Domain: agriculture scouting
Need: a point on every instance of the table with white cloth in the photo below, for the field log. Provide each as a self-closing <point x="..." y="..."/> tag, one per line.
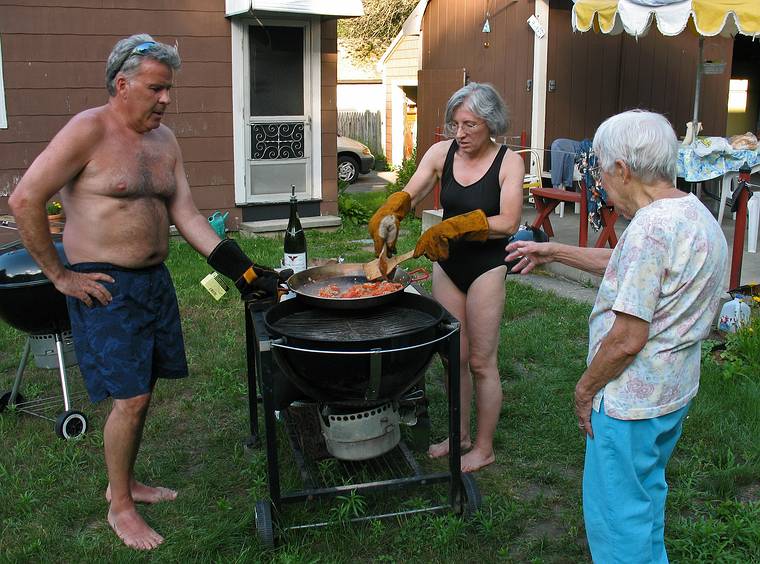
<point x="695" y="168"/>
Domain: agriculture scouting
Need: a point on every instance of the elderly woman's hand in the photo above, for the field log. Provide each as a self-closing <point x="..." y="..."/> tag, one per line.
<point x="583" y="404"/>
<point x="528" y="254"/>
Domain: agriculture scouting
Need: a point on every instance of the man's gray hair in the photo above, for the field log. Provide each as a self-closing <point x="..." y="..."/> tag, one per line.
<point x="482" y="100"/>
<point x="645" y="141"/>
<point x="122" y="59"/>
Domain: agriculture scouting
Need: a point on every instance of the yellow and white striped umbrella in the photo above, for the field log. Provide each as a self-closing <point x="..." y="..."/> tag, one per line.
<point x="635" y="17"/>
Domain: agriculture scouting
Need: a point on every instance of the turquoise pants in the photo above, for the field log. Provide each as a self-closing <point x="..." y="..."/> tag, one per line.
<point x="624" y="486"/>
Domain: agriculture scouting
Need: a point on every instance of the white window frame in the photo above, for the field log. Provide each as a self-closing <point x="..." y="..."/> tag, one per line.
<point x="241" y="106"/>
<point x="3" y="115"/>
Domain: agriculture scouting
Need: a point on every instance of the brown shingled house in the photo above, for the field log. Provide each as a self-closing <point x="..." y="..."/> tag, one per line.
<point x="253" y="105"/>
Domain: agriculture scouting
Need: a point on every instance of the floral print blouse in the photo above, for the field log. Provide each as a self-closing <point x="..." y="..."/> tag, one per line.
<point x="668" y="269"/>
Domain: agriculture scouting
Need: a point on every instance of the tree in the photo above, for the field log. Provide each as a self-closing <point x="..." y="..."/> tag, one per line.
<point x="366" y="38"/>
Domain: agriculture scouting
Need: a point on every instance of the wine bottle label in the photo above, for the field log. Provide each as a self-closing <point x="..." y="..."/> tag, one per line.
<point x="296" y="261"/>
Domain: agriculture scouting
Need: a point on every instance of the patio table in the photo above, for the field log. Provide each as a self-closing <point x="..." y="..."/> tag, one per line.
<point x="695" y="168"/>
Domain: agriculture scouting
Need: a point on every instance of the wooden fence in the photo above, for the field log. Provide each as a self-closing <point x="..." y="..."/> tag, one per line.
<point x="365" y="127"/>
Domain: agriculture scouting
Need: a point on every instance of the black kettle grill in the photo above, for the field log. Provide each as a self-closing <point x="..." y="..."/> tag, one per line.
<point x="30" y="303"/>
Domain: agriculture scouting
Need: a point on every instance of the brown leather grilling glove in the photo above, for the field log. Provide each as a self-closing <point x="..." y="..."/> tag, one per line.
<point x="434" y="243"/>
<point x="384" y="225"/>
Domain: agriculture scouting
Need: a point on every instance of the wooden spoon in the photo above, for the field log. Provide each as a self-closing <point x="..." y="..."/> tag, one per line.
<point x="375" y="269"/>
<point x="382" y="266"/>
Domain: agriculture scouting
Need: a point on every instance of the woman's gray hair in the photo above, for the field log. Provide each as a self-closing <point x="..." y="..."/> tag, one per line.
<point x="482" y="100"/>
<point x="122" y="59"/>
<point x="645" y="141"/>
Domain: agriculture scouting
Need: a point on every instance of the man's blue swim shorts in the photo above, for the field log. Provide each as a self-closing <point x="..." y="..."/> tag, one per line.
<point x="123" y="347"/>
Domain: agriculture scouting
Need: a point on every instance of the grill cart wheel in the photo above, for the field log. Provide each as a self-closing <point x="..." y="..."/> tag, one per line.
<point x="264" y="525"/>
<point x="71" y="424"/>
<point x="472" y="501"/>
<point x="4" y="401"/>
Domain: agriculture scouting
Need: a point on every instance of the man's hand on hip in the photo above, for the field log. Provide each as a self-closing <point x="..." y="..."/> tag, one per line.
<point x="85" y="286"/>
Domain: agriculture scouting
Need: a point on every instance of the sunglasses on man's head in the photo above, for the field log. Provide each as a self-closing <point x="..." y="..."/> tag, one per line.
<point x="140" y="49"/>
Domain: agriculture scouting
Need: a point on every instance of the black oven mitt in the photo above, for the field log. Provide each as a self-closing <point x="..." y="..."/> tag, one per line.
<point x="251" y="280"/>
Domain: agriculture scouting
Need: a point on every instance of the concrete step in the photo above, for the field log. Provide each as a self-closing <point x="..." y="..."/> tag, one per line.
<point x="275" y="227"/>
<point x="430" y="218"/>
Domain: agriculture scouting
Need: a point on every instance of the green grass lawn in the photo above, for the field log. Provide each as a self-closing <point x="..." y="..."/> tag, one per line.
<point x="51" y="492"/>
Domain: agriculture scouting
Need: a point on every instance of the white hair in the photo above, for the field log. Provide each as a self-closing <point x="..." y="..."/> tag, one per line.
<point x="645" y="141"/>
<point x="482" y="100"/>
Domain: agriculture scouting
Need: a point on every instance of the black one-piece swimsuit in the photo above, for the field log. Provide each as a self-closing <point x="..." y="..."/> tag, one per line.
<point x="469" y="259"/>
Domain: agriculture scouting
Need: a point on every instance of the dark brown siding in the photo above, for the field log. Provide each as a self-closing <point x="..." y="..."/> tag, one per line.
<point x="585" y="70"/>
<point x="54" y="61"/>
<point x="452" y="38"/>
<point x="435" y="87"/>
<point x="659" y="73"/>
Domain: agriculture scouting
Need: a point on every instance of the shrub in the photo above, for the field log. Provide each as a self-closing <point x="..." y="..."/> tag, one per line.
<point x="742" y="354"/>
<point x="381" y="163"/>
<point x="350" y="210"/>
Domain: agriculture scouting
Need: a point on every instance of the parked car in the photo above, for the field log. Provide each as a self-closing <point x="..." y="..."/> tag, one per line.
<point x="354" y="158"/>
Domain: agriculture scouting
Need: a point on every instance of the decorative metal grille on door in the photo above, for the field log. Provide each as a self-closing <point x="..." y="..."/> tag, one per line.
<point x="277" y="141"/>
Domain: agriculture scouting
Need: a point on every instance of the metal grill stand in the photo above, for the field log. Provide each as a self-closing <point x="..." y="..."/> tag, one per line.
<point x="463" y="495"/>
<point x="69" y="424"/>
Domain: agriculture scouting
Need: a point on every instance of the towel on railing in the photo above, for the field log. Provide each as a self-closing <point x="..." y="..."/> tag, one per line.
<point x="563" y="158"/>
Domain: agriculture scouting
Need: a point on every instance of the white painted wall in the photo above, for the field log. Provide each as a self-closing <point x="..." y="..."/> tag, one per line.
<point x="361" y="97"/>
<point x="540" y="61"/>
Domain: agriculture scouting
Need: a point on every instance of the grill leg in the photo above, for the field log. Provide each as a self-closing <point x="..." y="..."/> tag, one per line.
<point x="264" y="362"/>
<point x="455" y="449"/>
<point x="62" y="371"/>
<point x="250" y="356"/>
<point x="20" y="372"/>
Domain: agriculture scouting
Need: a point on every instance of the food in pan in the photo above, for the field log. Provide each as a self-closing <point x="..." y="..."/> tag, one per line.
<point x="365" y="290"/>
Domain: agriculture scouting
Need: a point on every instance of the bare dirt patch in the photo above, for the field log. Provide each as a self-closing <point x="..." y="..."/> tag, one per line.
<point x="749" y="493"/>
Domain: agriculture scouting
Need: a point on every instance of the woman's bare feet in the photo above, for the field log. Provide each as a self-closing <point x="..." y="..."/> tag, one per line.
<point x="477" y="459"/>
<point x="146" y="494"/>
<point x="442" y="449"/>
<point x="133" y="530"/>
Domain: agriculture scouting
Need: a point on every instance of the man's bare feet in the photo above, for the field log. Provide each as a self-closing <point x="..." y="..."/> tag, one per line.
<point x="477" y="459"/>
<point x="133" y="530"/>
<point x="146" y="494"/>
<point x="442" y="449"/>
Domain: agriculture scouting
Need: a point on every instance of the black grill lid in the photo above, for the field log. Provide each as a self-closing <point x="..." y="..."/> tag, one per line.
<point x="18" y="268"/>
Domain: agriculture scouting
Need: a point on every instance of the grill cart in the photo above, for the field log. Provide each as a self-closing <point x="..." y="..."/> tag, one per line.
<point x="30" y="303"/>
<point x="362" y="373"/>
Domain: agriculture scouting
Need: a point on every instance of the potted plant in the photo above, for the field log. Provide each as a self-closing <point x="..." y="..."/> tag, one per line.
<point x="55" y="216"/>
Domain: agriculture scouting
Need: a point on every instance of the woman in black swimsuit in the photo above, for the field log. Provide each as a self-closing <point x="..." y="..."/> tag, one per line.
<point x="481" y="195"/>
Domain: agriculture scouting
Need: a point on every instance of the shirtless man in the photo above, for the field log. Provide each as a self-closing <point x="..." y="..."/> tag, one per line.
<point x="122" y="183"/>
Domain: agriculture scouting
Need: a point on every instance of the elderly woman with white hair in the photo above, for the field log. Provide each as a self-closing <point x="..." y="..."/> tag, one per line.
<point x="481" y="196"/>
<point x="659" y="295"/>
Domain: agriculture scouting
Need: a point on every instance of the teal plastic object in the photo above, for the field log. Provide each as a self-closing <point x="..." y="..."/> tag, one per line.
<point x="216" y="220"/>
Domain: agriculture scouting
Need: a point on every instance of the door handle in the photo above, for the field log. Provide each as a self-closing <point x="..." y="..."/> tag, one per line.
<point x="552" y="86"/>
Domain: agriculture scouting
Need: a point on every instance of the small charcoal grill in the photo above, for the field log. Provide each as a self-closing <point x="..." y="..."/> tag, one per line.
<point x="366" y="365"/>
<point x="30" y="303"/>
